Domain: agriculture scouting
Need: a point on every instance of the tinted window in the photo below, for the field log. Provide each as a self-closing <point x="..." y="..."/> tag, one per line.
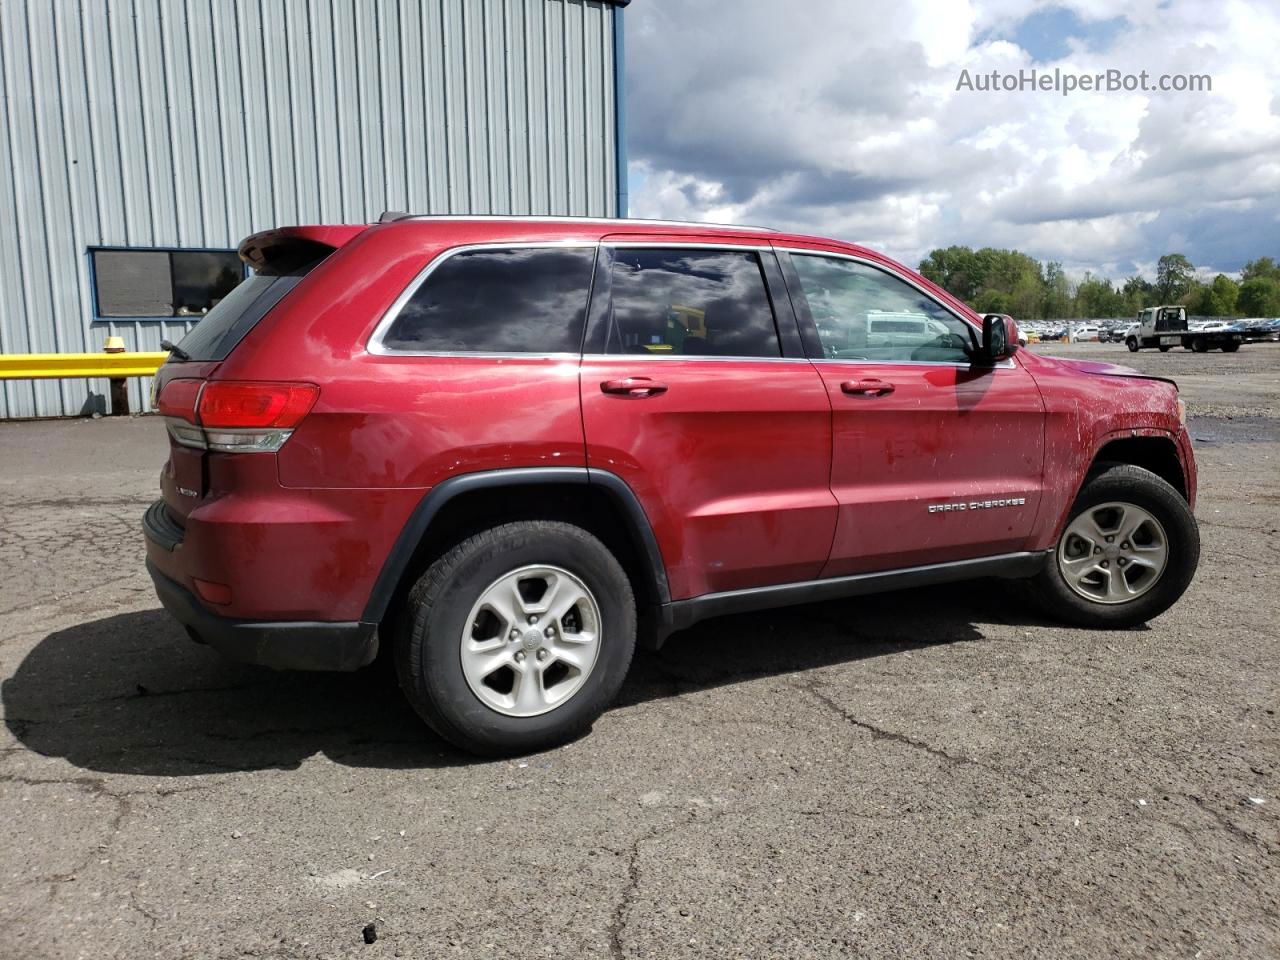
<point x="863" y="313"/>
<point x="214" y="337"/>
<point x="163" y="283"/>
<point x="690" y="303"/>
<point x="499" y="301"/>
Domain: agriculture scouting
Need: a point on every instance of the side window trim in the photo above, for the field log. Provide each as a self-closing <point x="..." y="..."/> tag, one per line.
<point x="600" y="309"/>
<point x="809" y="330"/>
<point x="785" y="317"/>
<point x="375" y="345"/>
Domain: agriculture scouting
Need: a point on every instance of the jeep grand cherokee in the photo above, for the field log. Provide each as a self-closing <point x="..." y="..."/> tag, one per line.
<point x="510" y="448"/>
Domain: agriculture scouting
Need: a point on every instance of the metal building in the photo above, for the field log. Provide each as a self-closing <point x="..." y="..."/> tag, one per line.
<point x="143" y="139"/>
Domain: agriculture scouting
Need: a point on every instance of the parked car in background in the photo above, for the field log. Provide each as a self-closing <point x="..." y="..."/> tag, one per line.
<point x="507" y="450"/>
<point x="1258" y="329"/>
<point x="1083" y="333"/>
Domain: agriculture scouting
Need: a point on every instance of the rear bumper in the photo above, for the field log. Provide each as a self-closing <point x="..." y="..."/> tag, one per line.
<point x="284" y="645"/>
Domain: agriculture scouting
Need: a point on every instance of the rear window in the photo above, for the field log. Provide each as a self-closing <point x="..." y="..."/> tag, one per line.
<point x="214" y="337"/>
<point x="512" y="300"/>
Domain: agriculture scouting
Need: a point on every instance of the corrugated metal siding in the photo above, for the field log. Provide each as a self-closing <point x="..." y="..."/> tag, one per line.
<point x="193" y="123"/>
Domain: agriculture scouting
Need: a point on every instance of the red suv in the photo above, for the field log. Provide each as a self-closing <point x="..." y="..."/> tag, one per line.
<point x="509" y="448"/>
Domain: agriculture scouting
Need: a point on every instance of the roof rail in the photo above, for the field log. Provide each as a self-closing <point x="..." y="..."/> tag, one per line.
<point x="395" y="216"/>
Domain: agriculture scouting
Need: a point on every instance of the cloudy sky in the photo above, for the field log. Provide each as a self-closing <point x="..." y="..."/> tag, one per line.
<point x="842" y="118"/>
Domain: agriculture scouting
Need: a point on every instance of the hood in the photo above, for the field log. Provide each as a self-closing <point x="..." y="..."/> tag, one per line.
<point x="1100" y="369"/>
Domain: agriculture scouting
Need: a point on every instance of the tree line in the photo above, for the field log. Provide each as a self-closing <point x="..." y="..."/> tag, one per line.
<point x="1007" y="281"/>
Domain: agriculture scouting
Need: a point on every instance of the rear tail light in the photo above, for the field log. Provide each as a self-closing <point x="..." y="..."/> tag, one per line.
<point x="178" y="399"/>
<point x="235" y="416"/>
<point x="257" y="405"/>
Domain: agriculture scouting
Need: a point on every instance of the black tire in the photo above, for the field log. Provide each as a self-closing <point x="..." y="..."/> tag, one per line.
<point x="1231" y="347"/>
<point x="1127" y="484"/>
<point x="1199" y="345"/>
<point x="1164" y="348"/>
<point x="429" y="635"/>
<point x="1132" y="344"/>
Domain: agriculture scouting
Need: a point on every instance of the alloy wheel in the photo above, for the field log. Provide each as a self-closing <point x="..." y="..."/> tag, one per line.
<point x="531" y="640"/>
<point x="1113" y="552"/>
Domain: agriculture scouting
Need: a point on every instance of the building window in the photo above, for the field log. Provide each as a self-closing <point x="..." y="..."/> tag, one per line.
<point x="162" y="283"/>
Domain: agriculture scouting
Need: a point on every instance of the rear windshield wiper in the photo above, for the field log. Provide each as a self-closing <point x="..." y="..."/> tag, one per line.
<point x="175" y="351"/>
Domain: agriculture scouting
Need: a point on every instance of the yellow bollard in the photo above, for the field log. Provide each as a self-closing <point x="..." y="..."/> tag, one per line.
<point x="119" y="386"/>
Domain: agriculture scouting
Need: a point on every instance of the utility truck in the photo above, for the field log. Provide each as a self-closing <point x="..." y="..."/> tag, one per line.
<point x="1166" y="327"/>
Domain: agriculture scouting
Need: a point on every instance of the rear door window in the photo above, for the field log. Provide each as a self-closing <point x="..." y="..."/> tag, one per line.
<point x="501" y="300"/>
<point x="683" y="302"/>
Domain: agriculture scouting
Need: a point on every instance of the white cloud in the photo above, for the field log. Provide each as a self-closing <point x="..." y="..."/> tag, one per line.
<point x="844" y="120"/>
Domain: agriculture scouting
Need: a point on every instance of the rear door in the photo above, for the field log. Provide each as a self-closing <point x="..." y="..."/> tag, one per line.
<point x="695" y="392"/>
<point x="934" y="459"/>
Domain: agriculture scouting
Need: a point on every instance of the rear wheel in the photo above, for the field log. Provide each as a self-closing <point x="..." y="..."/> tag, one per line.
<point x="1129" y="551"/>
<point x="1164" y="348"/>
<point x="518" y="638"/>
<point x="1230" y="347"/>
<point x="1199" y="345"/>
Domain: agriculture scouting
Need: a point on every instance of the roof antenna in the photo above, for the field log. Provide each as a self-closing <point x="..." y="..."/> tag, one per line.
<point x="391" y="216"/>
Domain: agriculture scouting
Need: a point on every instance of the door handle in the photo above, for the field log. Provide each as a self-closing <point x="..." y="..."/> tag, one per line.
<point x="638" y="387"/>
<point x="869" y="387"/>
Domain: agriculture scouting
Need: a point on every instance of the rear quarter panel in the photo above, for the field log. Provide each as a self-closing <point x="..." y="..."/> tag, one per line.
<point x="403" y="421"/>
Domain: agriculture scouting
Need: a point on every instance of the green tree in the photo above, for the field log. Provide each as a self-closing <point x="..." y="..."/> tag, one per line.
<point x="989" y="280"/>
<point x="1058" y="301"/>
<point x="1138" y="293"/>
<point x="1259" y="297"/>
<point x="1174" y="276"/>
<point x="955" y="269"/>
<point x="1097" y="298"/>
<point x="1262" y="267"/>
<point x="1217" y="299"/>
<point x="991" y="300"/>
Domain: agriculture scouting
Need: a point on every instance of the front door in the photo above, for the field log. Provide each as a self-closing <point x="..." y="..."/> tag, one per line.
<point x="689" y="396"/>
<point x="934" y="459"/>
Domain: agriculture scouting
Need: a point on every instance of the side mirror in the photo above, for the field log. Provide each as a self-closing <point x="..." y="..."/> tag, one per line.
<point x="999" y="337"/>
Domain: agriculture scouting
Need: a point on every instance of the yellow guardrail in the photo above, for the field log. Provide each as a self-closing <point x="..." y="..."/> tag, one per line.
<point x="51" y="366"/>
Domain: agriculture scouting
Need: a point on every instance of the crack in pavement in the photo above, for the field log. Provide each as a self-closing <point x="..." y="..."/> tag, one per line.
<point x="1233" y="828"/>
<point x="50" y="598"/>
<point x="811" y="687"/>
<point x="137" y="695"/>
<point x="97" y="787"/>
<point x="618" y="921"/>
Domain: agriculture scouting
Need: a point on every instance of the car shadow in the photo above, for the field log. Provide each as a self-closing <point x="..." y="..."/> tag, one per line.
<point x="130" y="694"/>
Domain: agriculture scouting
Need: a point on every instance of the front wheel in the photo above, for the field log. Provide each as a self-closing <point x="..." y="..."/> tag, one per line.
<point x="517" y="638"/>
<point x="1132" y="343"/>
<point x="1129" y="551"/>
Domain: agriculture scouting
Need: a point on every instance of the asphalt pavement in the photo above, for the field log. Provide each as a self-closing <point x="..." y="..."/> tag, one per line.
<point x="931" y="773"/>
